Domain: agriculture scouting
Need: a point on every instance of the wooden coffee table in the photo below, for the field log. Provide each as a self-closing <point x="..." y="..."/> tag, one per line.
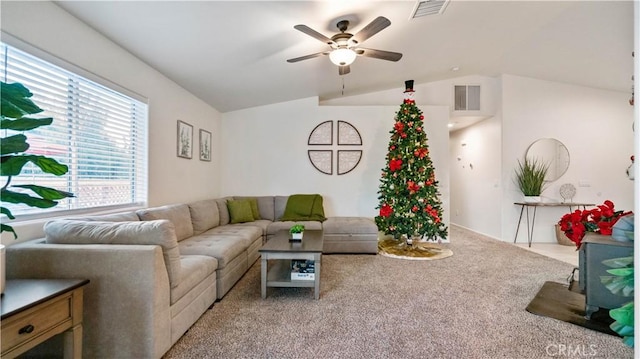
<point x="277" y="254"/>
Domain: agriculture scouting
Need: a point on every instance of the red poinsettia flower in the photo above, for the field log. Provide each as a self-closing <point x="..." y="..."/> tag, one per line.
<point x="421" y="152"/>
<point x="599" y="220"/>
<point x="412" y="187"/>
<point x="386" y="210"/>
<point x="399" y="126"/>
<point x="395" y="164"/>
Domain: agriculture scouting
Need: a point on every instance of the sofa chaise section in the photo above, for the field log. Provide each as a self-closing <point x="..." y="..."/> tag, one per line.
<point x="142" y="296"/>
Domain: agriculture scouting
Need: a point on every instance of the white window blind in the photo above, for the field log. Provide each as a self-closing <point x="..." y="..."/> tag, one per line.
<point x="98" y="132"/>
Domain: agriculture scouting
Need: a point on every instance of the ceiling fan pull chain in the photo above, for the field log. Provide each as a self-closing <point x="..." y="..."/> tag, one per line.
<point x="342" y="78"/>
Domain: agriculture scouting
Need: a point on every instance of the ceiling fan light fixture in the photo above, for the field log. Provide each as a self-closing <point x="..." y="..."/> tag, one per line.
<point x="342" y="57"/>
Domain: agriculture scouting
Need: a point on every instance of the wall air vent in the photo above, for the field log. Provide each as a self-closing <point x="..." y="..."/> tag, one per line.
<point x="466" y="98"/>
<point x="429" y="7"/>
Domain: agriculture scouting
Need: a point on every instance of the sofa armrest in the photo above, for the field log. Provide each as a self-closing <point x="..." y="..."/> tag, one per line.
<point x="126" y="303"/>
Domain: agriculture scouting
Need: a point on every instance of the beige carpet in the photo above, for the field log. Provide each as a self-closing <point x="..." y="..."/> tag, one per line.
<point x="470" y="305"/>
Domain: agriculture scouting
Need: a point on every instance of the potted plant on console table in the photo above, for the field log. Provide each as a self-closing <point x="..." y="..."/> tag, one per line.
<point x="297" y="230"/>
<point x="530" y="177"/>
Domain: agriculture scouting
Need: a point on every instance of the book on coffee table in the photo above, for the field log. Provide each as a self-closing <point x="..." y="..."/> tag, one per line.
<point x="302" y="269"/>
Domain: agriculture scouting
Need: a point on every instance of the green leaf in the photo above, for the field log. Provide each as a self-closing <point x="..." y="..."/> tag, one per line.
<point x="25" y="123"/>
<point x="619" y="284"/>
<point x="15" y="197"/>
<point x="621" y="272"/>
<point x="15" y="101"/>
<point x="14" y="144"/>
<point x="46" y="192"/>
<point x="618" y="262"/>
<point x="7" y="228"/>
<point x="12" y="166"/>
<point x="7" y="212"/>
<point x="624" y="314"/>
<point x="49" y="165"/>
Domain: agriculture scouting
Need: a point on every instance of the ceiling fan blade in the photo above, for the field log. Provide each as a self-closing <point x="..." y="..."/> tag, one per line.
<point x="373" y="28"/>
<point x="379" y="54"/>
<point x="343" y="70"/>
<point x="306" y="57"/>
<point x="313" y="33"/>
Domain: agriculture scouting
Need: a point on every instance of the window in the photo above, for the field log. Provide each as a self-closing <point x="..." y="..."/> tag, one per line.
<point x="101" y="134"/>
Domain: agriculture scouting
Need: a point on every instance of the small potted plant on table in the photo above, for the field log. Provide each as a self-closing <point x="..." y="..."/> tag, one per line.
<point x="297" y="230"/>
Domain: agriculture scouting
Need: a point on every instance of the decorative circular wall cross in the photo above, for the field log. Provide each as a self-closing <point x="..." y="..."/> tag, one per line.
<point x="322" y="136"/>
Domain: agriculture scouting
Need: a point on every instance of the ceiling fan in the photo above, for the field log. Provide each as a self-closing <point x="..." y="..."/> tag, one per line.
<point x="345" y="46"/>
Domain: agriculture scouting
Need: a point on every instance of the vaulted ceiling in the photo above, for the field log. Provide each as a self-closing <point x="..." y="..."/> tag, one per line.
<point x="232" y="54"/>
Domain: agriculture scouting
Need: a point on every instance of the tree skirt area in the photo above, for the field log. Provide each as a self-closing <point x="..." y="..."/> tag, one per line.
<point x="416" y="251"/>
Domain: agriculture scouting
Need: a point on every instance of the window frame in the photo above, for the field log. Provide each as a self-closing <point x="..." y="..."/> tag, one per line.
<point x="144" y="124"/>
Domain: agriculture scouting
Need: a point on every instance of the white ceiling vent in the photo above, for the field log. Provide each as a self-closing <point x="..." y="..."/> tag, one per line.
<point x="429" y="7"/>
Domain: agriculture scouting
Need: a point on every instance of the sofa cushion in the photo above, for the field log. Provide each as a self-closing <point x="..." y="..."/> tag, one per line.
<point x="113" y="217"/>
<point x="254" y="208"/>
<point x="285" y="225"/>
<point x="223" y="210"/>
<point x="178" y="214"/>
<point x="304" y="207"/>
<point x="349" y="225"/>
<point x="224" y="248"/>
<point x="195" y="269"/>
<point x="279" y="204"/>
<point x="265" y="207"/>
<point x="204" y="215"/>
<point x="239" y="211"/>
<point x="158" y="232"/>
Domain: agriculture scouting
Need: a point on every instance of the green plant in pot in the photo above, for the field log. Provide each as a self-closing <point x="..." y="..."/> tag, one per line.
<point x="530" y="177"/>
<point x="296" y="231"/>
<point x="16" y="112"/>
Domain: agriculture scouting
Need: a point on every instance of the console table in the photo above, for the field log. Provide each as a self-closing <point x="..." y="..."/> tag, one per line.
<point x="535" y="205"/>
<point x="34" y="310"/>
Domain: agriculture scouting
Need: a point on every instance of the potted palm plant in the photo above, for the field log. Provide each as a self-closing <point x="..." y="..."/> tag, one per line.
<point x="530" y="177"/>
<point x="16" y="117"/>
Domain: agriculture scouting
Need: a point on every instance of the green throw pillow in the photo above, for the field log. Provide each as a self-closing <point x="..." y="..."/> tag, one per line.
<point x="240" y="211"/>
<point x="254" y="208"/>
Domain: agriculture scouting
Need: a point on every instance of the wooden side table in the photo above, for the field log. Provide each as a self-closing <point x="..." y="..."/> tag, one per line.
<point x="34" y="310"/>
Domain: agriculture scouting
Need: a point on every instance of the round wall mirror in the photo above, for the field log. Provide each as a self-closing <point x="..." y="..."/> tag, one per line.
<point x="553" y="152"/>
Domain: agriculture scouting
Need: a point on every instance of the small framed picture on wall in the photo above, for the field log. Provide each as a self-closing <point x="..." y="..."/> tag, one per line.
<point x="185" y="140"/>
<point x="205" y="145"/>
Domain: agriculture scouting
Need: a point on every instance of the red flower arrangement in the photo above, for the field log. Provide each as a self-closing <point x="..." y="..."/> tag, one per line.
<point x="598" y="220"/>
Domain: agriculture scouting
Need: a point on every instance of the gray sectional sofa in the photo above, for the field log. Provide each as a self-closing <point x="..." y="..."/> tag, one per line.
<point x="155" y="271"/>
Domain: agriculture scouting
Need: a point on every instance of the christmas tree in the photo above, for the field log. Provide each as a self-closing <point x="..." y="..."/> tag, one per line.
<point x="408" y="194"/>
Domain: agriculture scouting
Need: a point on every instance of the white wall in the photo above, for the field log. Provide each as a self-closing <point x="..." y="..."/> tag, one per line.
<point x="171" y="179"/>
<point x="476" y="175"/>
<point x="595" y="126"/>
<point x="267" y="152"/>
